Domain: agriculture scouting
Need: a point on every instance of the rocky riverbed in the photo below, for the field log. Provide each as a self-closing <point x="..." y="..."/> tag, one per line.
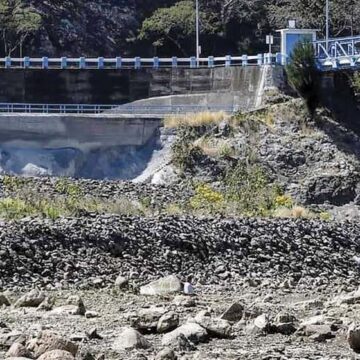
<point x="291" y="286"/>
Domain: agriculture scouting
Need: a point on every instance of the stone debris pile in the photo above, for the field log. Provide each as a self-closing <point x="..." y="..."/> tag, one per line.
<point x="93" y="250"/>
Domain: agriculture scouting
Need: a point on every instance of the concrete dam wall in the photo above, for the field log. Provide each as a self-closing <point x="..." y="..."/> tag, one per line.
<point x="112" y="145"/>
<point x="126" y="85"/>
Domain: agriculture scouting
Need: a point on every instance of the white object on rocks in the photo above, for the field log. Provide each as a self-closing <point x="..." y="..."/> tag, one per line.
<point x="188" y="289"/>
<point x="165" y="286"/>
<point x="130" y="339"/>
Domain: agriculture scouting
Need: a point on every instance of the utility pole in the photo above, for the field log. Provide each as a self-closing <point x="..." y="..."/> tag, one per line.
<point x="197" y="34"/>
<point x="327" y="24"/>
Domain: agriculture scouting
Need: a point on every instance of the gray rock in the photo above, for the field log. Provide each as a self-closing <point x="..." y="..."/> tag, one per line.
<point x="192" y="331"/>
<point x="146" y="320"/>
<point x="234" y="313"/>
<point x="48" y="341"/>
<point x="18" y="350"/>
<point x="121" y="282"/>
<point x="165" y="286"/>
<point x="168" y="322"/>
<point x="130" y="339"/>
<point x="166" y="354"/>
<point x="56" y="355"/>
<point x="214" y="326"/>
<point x="353" y="337"/>
<point x="4" y="300"/>
<point x="32" y="299"/>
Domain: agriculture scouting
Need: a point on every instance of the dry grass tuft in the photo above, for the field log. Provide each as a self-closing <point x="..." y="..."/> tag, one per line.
<point x="297" y="212"/>
<point x="195" y="119"/>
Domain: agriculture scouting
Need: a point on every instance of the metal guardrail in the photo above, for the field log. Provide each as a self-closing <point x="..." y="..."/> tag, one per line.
<point x="137" y="62"/>
<point x="338" y="53"/>
<point x="20" y="108"/>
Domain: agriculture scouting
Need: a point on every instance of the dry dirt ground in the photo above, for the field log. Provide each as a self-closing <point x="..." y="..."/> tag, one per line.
<point x="114" y="308"/>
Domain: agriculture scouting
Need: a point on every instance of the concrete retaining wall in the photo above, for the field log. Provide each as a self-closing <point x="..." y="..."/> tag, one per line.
<point x="84" y="132"/>
<point x="126" y="85"/>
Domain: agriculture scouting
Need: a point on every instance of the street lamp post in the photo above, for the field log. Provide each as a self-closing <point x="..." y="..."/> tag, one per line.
<point x="197" y="34"/>
<point x="327" y="24"/>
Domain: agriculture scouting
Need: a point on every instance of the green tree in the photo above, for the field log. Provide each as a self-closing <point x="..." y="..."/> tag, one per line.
<point x="176" y="24"/>
<point x="17" y="22"/>
<point x="303" y="75"/>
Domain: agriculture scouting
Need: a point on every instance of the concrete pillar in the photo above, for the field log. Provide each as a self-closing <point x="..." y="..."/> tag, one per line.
<point x="118" y="62"/>
<point x="260" y="59"/>
<point x="156" y="63"/>
<point x="174" y="62"/>
<point x="137" y="62"/>
<point x="82" y="63"/>
<point x="193" y="62"/>
<point x="63" y="63"/>
<point x="334" y="64"/>
<point x="45" y="62"/>
<point x="100" y="63"/>
<point x="211" y="62"/>
<point x="227" y="60"/>
<point x="26" y="62"/>
<point x="244" y="60"/>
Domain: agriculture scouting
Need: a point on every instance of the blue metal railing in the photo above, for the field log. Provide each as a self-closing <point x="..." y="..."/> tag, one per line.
<point x="338" y="53"/>
<point x="137" y="62"/>
<point x="18" y="108"/>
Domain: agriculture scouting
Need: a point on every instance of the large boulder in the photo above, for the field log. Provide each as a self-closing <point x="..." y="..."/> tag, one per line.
<point x="18" y="350"/>
<point x="56" y="355"/>
<point x="146" y="320"/>
<point x="214" y="326"/>
<point x="234" y="313"/>
<point x="165" y="286"/>
<point x="192" y="331"/>
<point x="48" y="341"/>
<point x="130" y="339"/>
<point x="32" y="299"/>
<point x="168" y="322"/>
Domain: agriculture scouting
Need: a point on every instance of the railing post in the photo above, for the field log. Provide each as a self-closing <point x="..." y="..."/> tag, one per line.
<point x="45" y="62"/>
<point x="26" y="62"/>
<point x="334" y="64"/>
<point x="174" y="62"/>
<point x="211" y="62"/>
<point x="137" y="62"/>
<point x="82" y="63"/>
<point x="193" y="64"/>
<point x="244" y="60"/>
<point x="278" y="58"/>
<point x="260" y="59"/>
<point x="8" y="62"/>
<point x="156" y="62"/>
<point x="100" y="63"/>
<point x="118" y="62"/>
<point x="227" y="60"/>
<point x="63" y="63"/>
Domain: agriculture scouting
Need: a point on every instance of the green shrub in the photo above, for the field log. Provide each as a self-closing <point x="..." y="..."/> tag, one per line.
<point x="303" y="75"/>
<point x="207" y="199"/>
<point x="248" y="186"/>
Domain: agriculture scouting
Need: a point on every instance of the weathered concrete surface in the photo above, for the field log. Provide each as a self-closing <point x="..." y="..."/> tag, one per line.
<point x="128" y="85"/>
<point x="81" y="131"/>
